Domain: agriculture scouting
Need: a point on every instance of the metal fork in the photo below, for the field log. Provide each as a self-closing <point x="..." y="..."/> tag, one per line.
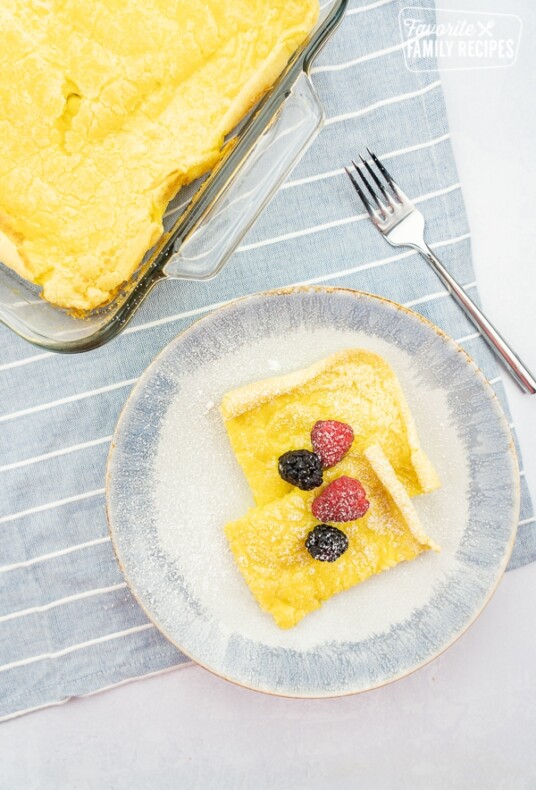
<point x="402" y="225"/>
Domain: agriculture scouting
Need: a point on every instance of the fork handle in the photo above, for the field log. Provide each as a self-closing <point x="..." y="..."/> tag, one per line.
<point x="496" y="342"/>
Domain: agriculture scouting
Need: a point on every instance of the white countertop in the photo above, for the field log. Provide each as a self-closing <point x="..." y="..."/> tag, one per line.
<point x="468" y="720"/>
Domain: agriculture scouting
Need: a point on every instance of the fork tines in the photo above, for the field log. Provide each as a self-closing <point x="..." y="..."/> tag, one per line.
<point x="374" y="186"/>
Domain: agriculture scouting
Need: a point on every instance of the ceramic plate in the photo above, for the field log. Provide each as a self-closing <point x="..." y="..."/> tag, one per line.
<point x="173" y="483"/>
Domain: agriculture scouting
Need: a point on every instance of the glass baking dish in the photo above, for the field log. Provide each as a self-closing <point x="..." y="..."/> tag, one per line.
<point x="206" y="220"/>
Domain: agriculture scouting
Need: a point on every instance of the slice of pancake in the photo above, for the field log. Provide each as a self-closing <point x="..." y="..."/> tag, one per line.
<point x="355" y="386"/>
<point x="268" y="543"/>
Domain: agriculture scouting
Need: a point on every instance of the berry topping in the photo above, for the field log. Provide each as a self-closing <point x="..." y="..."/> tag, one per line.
<point x="331" y="441"/>
<point x="326" y="543"/>
<point x="344" y="499"/>
<point x="302" y="468"/>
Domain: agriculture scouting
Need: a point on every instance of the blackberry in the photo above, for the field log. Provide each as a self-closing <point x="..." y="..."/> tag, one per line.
<point x="326" y="543"/>
<point x="302" y="468"/>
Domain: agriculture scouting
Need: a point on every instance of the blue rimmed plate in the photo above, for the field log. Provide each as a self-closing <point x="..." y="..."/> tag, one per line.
<point x="173" y="483"/>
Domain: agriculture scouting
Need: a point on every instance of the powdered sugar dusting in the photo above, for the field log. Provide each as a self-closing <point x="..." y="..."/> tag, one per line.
<point x="199" y="487"/>
<point x="209" y="405"/>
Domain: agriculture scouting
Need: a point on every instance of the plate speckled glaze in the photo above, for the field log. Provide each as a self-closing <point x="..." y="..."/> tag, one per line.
<point x="172" y="484"/>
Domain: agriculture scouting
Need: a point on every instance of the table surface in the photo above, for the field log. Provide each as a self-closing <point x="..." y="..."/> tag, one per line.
<point x="468" y="720"/>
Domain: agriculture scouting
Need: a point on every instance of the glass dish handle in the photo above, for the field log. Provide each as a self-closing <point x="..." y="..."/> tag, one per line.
<point x="219" y="231"/>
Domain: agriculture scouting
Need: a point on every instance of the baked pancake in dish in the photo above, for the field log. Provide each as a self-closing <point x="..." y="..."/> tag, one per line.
<point x="354" y="386"/>
<point x="106" y="110"/>
<point x="268" y="543"/>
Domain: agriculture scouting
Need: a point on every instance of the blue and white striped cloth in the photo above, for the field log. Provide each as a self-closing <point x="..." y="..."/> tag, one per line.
<point x="68" y="624"/>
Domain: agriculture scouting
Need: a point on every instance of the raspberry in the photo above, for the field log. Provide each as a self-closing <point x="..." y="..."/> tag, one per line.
<point x="344" y="499"/>
<point x="331" y="441"/>
<point x="302" y="468"/>
<point x="326" y="543"/>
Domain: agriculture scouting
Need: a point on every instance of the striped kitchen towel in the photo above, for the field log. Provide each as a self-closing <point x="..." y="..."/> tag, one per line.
<point x="68" y="624"/>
